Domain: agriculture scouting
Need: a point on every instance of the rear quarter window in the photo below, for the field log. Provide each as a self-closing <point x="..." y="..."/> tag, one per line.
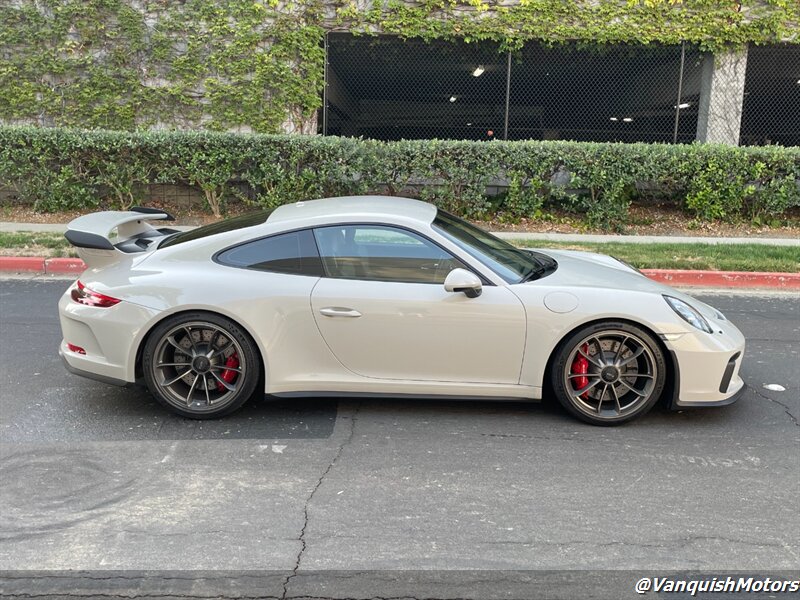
<point x="293" y="253"/>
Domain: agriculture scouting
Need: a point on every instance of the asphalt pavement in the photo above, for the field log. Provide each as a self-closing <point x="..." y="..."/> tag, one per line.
<point x="323" y="497"/>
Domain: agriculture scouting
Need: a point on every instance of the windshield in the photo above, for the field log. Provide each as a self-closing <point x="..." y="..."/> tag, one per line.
<point x="240" y="222"/>
<point x="511" y="263"/>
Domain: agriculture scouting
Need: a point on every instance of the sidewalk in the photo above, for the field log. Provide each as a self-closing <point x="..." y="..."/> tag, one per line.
<point x="9" y="227"/>
<point x="644" y="239"/>
<point x="549" y="237"/>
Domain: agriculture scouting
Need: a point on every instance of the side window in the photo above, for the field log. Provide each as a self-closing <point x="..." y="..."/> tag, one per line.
<point x="293" y="253"/>
<point x="380" y="253"/>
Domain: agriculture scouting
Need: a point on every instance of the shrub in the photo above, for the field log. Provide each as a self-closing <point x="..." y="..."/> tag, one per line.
<point x="57" y="169"/>
<point x="47" y="168"/>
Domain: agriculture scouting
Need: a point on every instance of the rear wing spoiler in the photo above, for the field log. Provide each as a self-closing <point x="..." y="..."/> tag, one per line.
<point x="102" y="237"/>
<point x="95" y="230"/>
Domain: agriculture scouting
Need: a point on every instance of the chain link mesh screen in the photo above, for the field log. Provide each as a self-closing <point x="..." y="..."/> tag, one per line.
<point x="771" y="113"/>
<point x="388" y="88"/>
<point x="601" y="93"/>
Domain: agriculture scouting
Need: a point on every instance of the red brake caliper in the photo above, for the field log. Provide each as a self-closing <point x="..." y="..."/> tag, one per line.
<point x="228" y="375"/>
<point x="580" y="366"/>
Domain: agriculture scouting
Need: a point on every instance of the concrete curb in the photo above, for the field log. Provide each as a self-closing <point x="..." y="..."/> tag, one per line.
<point x="725" y="279"/>
<point x="577" y="238"/>
<point x="711" y="279"/>
<point x="64" y="266"/>
<point x="41" y="266"/>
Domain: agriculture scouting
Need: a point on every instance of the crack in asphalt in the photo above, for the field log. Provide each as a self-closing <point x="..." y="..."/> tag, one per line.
<point x="302" y="538"/>
<point x="786" y="409"/>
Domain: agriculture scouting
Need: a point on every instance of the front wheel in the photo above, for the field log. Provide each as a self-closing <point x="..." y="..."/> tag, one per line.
<point x="609" y="373"/>
<point x="200" y="365"/>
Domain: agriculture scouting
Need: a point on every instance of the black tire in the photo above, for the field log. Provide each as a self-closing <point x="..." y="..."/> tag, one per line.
<point x="608" y="373"/>
<point x="200" y="365"/>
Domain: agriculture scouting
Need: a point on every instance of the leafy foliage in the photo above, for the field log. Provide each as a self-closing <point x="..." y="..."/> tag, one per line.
<point x="712" y="24"/>
<point x="124" y="64"/>
<point x="257" y="65"/>
<point x="57" y="169"/>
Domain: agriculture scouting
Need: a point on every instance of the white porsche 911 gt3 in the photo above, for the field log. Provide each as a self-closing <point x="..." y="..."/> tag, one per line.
<point x="380" y="296"/>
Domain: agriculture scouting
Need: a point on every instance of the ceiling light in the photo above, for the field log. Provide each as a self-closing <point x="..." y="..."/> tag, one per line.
<point x="627" y="119"/>
<point x="478" y="71"/>
<point x="469" y="124"/>
<point x="614" y="119"/>
<point x="453" y="98"/>
<point x="683" y="105"/>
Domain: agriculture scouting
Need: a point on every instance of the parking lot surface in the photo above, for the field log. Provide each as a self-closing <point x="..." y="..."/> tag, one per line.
<point x="101" y="479"/>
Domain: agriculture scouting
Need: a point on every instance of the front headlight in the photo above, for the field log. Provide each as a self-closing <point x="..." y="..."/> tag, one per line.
<point x="689" y="314"/>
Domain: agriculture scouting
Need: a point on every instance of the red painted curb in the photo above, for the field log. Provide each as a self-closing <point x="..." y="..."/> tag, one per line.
<point x="733" y="279"/>
<point x="22" y="264"/>
<point x="64" y="265"/>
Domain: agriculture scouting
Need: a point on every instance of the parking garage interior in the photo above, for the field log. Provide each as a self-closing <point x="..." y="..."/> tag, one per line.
<point x="388" y="88"/>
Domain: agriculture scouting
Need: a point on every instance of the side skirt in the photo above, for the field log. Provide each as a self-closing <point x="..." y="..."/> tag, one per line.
<point x="378" y="395"/>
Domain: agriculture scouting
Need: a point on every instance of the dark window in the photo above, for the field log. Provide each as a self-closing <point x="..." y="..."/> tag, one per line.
<point x="772" y="96"/>
<point x="293" y="253"/>
<point x="392" y="88"/>
<point x="248" y="220"/>
<point x="380" y="253"/>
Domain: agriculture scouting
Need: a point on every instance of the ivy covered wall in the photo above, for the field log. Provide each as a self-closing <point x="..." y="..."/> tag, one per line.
<point x="711" y="24"/>
<point x="258" y="64"/>
<point x="122" y="64"/>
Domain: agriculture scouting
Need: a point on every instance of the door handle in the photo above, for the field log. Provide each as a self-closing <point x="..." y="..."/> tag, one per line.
<point x="338" y="311"/>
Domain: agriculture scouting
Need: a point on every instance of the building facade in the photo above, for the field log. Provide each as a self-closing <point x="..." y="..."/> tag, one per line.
<point x="592" y="70"/>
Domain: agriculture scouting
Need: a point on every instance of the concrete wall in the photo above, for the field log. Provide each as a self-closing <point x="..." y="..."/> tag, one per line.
<point x="721" y="97"/>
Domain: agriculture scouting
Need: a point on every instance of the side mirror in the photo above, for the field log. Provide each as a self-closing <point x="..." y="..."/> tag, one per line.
<point x="461" y="280"/>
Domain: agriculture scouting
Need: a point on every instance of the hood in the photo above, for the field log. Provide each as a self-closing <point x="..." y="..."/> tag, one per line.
<point x="588" y="269"/>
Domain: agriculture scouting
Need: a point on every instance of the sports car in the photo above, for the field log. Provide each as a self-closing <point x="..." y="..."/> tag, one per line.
<point x="380" y="297"/>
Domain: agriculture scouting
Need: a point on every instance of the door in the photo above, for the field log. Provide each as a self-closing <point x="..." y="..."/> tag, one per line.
<point x="383" y="311"/>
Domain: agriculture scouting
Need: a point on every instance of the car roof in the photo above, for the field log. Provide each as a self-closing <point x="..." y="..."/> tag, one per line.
<point x="355" y="208"/>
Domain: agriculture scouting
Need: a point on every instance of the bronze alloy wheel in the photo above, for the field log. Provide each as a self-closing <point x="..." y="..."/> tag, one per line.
<point x="200" y="365"/>
<point x="609" y="373"/>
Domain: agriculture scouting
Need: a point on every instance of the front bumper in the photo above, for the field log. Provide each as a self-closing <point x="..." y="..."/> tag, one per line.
<point x="707" y="366"/>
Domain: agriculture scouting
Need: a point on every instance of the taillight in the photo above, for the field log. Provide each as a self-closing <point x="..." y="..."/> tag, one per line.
<point x="75" y="349"/>
<point x="84" y="295"/>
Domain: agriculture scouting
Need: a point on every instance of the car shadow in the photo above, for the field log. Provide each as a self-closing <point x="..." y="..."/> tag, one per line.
<point x="89" y="411"/>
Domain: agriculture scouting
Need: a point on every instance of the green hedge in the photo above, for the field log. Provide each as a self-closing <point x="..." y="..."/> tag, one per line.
<point x="57" y="169"/>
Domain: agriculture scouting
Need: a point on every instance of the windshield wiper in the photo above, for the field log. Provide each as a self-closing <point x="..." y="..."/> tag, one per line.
<point x="534" y="273"/>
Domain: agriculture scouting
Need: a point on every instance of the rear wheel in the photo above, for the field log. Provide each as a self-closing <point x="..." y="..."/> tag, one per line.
<point x="609" y="373"/>
<point x="200" y="365"/>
